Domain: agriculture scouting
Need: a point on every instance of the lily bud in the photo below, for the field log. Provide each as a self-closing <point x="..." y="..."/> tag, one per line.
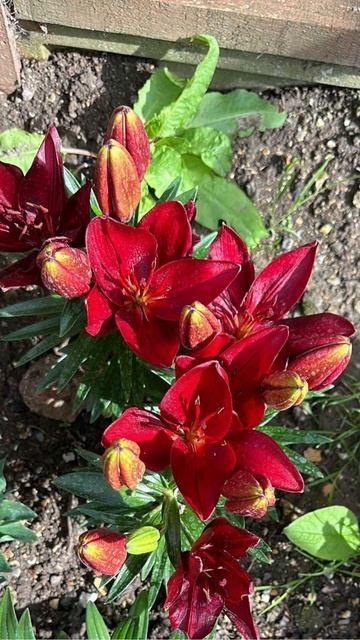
<point x="64" y="270"/>
<point x="283" y="389"/>
<point x="197" y="325"/>
<point x="143" y="540"/>
<point x="102" y="550"/>
<point x="122" y="465"/>
<point x="247" y="495"/>
<point x="127" y="128"/>
<point x="322" y="364"/>
<point x="117" y="184"/>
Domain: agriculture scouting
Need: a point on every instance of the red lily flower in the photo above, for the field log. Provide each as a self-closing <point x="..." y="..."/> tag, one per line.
<point x="209" y="580"/>
<point x="189" y="435"/>
<point x="324" y="362"/>
<point x="141" y="289"/>
<point x="33" y="209"/>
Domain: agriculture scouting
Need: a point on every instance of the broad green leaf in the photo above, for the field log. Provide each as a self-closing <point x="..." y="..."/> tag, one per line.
<point x="41" y="347"/>
<point x="93" y="458"/>
<point x="11" y="511"/>
<point x="126" y="575"/>
<point x="96" y="628"/>
<point x="213" y="147"/>
<point x="236" y="110"/>
<point x="25" y="630"/>
<point x="176" y="115"/>
<point x="2" y="477"/>
<point x="331" y="533"/>
<point x="8" y="621"/>
<point x="147" y="200"/>
<point x="19" y="147"/>
<point x="89" y="485"/>
<point x="285" y="436"/>
<point x="172" y="531"/>
<point x="47" y="306"/>
<point x="4" y="567"/>
<point x="46" y="327"/>
<point x="160" y="90"/>
<point x="17" y="531"/>
<point x="164" y="168"/>
<point x="302" y="464"/>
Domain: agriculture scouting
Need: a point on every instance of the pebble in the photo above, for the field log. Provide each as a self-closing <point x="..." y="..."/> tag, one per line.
<point x="331" y="144"/>
<point x="85" y="597"/>
<point x="54" y="603"/>
<point x="54" y="580"/>
<point x="356" y="200"/>
<point x="325" y="229"/>
<point x="68" y="457"/>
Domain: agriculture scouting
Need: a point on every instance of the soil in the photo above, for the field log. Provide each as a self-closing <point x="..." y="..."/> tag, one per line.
<point x="77" y="92"/>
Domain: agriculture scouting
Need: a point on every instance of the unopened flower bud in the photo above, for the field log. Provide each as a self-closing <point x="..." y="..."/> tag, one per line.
<point x="197" y="325"/>
<point x="64" y="270"/>
<point x="247" y="495"/>
<point x="117" y="184"/>
<point x="102" y="550"/>
<point x="143" y="540"/>
<point x="283" y="389"/>
<point x="122" y="465"/>
<point x="322" y="364"/>
<point x="127" y="128"/>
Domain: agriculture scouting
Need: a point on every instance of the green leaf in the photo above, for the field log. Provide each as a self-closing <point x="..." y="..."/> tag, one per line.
<point x="176" y="115"/>
<point x="192" y="526"/>
<point x="185" y="196"/>
<point x="177" y="635"/>
<point x="17" y="531"/>
<point x="160" y="90"/>
<point x="157" y="574"/>
<point x="125" y="630"/>
<point x="164" y="168"/>
<point x="213" y="147"/>
<point x="239" y="109"/>
<point x="65" y="369"/>
<point x="285" y="436"/>
<point x="73" y="316"/>
<point x="25" y="630"/>
<point x="331" y="533"/>
<point x="19" y="147"/>
<point x="96" y="628"/>
<point x="171" y="191"/>
<point x="172" y="531"/>
<point x="126" y="575"/>
<point x="41" y="328"/>
<point x="261" y="552"/>
<point x="4" y="566"/>
<point x="72" y="184"/>
<point x="8" y="621"/>
<point x="47" y="306"/>
<point x="201" y="249"/>
<point x="302" y="464"/>
<point x="140" y="612"/>
<point x="41" y="347"/>
<point x="219" y="199"/>
<point x="11" y="511"/>
<point x="90" y="485"/>
<point x="2" y="477"/>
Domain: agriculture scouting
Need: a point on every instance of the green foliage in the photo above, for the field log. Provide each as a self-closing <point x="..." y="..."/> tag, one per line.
<point x="10" y="627"/>
<point x="192" y="133"/>
<point x="95" y="626"/>
<point x="331" y="533"/>
<point x="18" y="147"/>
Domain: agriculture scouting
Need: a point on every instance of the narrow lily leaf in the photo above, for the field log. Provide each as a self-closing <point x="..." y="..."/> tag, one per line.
<point x="41" y="347"/>
<point x="285" y="436"/>
<point x="157" y="575"/>
<point x="190" y="194"/>
<point x="261" y="552"/>
<point x="160" y="90"/>
<point x="47" y="306"/>
<point x="171" y="191"/>
<point x="72" y="316"/>
<point x="237" y="110"/>
<point x="17" y="531"/>
<point x="49" y="326"/>
<point x="331" y="533"/>
<point x="302" y="464"/>
<point x="96" y="628"/>
<point x="140" y="612"/>
<point x="65" y="369"/>
<point x="8" y="621"/>
<point x="172" y="531"/>
<point x="126" y="575"/>
<point x="2" y="477"/>
<point x="201" y="249"/>
<point x="25" y="630"/>
<point x="11" y="511"/>
<point x="125" y="630"/>
<point x="72" y="184"/>
<point x="90" y="485"/>
<point x="4" y="566"/>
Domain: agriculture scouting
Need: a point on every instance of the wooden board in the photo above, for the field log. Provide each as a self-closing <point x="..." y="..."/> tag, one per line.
<point x="325" y="31"/>
<point x="9" y="61"/>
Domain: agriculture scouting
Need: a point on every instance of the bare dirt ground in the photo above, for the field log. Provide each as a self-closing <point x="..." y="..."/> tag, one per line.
<point x="77" y="91"/>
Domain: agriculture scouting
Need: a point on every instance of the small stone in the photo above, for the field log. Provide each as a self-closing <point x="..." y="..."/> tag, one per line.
<point x="356" y="200"/>
<point x="313" y="455"/>
<point x="54" y="603"/>
<point x="345" y="614"/>
<point x="265" y="151"/>
<point x="347" y="122"/>
<point x="16" y="572"/>
<point x="319" y="123"/>
<point x="87" y="597"/>
<point x="68" y="457"/>
<point x="55" y="580"/>
<point x="300" y="135"/>
<point x="331" y="144"/>
<point x="325" y="229"/>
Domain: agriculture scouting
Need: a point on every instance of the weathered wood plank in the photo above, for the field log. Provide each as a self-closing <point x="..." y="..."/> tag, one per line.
<point x="235" y="68"/>
<point x="325" y="31"/>
<point x="9" y="60"/>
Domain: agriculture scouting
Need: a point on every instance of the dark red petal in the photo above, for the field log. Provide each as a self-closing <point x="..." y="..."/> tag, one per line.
<point x="229" y="246"/>
<point x="21" y="273"/>
<point x="168" y="222"/>
<point x="76" y="216"/>
<point x="227" y="537"/>
<point x="280" y="285"/>
<point x="147" y="431"/>
<point x="201" y="472"/>
<point x="215" y="347"/>
<point x="183" y="281"/>
<point x="152" y="339"/>
<point x="250" y="407"/>
<point x="10" y="180"/>
<point x="260" y="455"/>
<point x="184" y="364"/>
<point x="100" y="313"/>
<point x="305" y="330"/>
<point x="43" y="184"/>
<point x="117" y="253"/>
<point x="240" y="615"/>
<point x="202" y="396"/>
<point x="248" y="360"/>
